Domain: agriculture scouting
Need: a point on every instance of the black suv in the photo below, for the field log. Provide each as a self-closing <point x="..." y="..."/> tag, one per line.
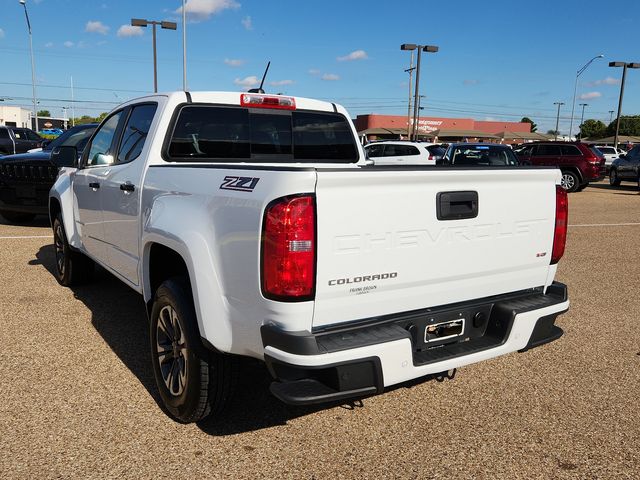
<point x="626" y="168"/>
<point x="18" y="140"/>
<point x="25" y="179"/>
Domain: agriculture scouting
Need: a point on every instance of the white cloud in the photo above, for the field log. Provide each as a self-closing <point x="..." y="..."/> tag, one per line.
<point x="331" y="77"/>
<point x="355" y="55"/>
<point x="279" y="83"/>
<point x="605" y="81"/>
<point x="199" y="10"/>
<point x="130" y="31"/>
<point x="590" y="95"/>
<point x="96" y="27"/>
<point x="470" y="81"/>
<point x="48" y="44"/>
<point x="314" y="71"/>
<point x="68" y="44"/>
<point x="247" y="82"/>
<point x="247" y="23"/>
<point x="1" y="33"/>
<point x="234" y="62"/>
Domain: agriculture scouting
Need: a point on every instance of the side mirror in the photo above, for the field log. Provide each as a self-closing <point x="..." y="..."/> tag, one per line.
<point x="65" y="156"/>
<point x="45" y="143"/>
<point x="622" y="155"/>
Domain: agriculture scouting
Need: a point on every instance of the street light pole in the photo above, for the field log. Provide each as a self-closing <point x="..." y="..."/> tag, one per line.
<point x="611" y="115"/>
<point x="558" y="118"/>
<point x="581" y="119"/>
<point x="33" y="67"/>
<point x="575" y="89"/>
<point x="410" y="71"/>
<point x="139" y="22"/>
<point x="184" y="46"/>
<point x="420" y="48"/>
<point x="624" y="66"/>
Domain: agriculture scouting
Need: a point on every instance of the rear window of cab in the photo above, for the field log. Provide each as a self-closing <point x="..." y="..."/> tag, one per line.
<point x="208" y="133"/>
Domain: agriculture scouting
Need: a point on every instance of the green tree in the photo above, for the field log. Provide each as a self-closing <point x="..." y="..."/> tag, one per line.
<point x="88" y="119"/>
<point x="534" y="126"/>
<point x="593" y="129"/>
<point x="629" y="125"/>
<point x="44" y="113"/>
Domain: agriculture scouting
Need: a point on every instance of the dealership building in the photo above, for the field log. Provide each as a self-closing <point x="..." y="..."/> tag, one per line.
<point x="14" y="116"/>
<point x="439" y="129"/>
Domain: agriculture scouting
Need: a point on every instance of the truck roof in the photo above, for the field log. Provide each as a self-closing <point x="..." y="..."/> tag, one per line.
<point x="233" y="98"/>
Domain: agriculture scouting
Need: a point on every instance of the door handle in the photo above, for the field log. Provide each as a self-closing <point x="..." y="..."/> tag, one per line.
<point x="94" y="185"/>
<point x="127" y="187"/>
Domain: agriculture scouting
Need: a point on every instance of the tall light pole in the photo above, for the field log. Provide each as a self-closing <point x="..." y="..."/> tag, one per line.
<point x="624" y="66"/>
<point x="581" y="120"/>
<point x="420" y="48"/>
<point x="611" y="112"/>
<point x="33" y="65"/>
<point x="558" y="118"/>
<point x="139" y="22"/>
<point x="184" y="46"/>
<point x="575" y="89"/>
<point x="410" y="72"/>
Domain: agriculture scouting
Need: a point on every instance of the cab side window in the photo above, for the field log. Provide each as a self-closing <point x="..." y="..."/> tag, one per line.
<point x="135" y="132"/>
<point x="100" y="150"/>
<point x="375" y="150"/>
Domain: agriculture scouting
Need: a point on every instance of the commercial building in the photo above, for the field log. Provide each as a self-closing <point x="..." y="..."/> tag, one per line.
<point x="440" y="129"/>
<point x="12" y="116"/>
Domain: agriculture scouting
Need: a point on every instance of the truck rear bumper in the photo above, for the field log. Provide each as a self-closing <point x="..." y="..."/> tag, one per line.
<point x="361" y="360"/>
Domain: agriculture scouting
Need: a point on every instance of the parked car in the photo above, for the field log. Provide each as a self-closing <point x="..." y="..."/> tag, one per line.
<point x="252" y="225"/>
<point x="25" y="179"/>
<point x="404" y="153"/>
<point x="579" y="163"/>
<point x="18" y="140"/>
<point x="610" y="154"/>
<point x="626" y="168"/>
<point x="480" y="155"/>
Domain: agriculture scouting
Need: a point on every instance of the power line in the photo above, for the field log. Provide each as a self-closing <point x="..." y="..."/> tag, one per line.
<point x="76" y="88"/>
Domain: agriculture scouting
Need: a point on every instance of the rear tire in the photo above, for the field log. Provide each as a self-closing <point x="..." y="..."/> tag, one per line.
<point x="194" y="383"/>
<point x="570" y="181"/>
<point x="613" y="178"/>
<point x="17" y="217"/>
<point x="72" y="267"/>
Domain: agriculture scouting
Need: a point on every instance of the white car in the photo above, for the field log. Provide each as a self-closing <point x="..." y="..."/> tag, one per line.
<point x="404" y="153"/>
<point x="252" y="225"/>
<point x="609" y="153"/>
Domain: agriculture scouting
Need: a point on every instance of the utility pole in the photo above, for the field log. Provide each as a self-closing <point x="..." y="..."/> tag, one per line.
<point x="625" y="65"/>
<point x="611" y="112"/>
<point x="420" y="48"/>
<point x="558" y="117"/>
<point x="184" y="46"/>
<point x="33" y="65"/>
<point x="581" y="120"/>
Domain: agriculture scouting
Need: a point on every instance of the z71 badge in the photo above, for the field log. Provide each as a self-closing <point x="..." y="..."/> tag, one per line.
<point x="241" y="184"/>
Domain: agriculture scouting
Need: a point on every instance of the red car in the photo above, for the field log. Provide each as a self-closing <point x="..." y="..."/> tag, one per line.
<point x="579" y="162"/>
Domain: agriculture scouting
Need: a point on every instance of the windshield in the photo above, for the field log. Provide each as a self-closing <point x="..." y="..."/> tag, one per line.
<point x="607" y="150"/>
<point x="211" y="133"/>
<point x="484" y="155"/>
<point x="76" y="137"/>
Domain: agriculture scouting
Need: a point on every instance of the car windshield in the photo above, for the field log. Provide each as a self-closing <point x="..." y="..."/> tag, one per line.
<point x="483" y="155"/>
<point x="76" y="137"/>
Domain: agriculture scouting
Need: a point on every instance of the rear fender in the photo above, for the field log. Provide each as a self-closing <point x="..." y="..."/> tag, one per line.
<point x="177" y="222"/>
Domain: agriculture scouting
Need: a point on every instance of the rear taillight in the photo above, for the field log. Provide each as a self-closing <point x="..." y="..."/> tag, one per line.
<point x="560" y="232"/>
<point x="288" y="249"/>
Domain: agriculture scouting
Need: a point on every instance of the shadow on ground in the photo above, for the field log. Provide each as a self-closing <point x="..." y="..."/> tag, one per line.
<point x="118" y="315"/>
<point x="630" y="188"/>
<point x="39" y="221"/>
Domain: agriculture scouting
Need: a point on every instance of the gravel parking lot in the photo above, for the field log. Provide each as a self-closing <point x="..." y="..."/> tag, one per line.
<point x="79" y="398"/>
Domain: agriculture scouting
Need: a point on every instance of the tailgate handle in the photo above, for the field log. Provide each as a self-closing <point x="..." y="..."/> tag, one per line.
<point x="456" y="205"/>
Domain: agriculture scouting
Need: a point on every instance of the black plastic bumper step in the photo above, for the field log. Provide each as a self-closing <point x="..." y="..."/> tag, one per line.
<point x="309" y="391"/>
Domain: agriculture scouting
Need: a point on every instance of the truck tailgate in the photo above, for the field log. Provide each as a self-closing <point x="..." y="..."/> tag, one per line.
<point x="382" y="249"/>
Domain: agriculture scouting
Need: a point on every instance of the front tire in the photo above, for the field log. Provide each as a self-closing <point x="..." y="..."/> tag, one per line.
<point x="193" y="383"/>
<point x="613" y="178"/>
<point x="570" y="181"/>
<point x="72" y="267"/>
<point x="16" y="217"/>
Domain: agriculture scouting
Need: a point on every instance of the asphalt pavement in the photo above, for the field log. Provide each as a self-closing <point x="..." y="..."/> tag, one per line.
<point x="79" y="399"/>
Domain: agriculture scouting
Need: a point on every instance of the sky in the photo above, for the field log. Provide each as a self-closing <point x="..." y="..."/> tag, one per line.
<point x="497" y="59"/>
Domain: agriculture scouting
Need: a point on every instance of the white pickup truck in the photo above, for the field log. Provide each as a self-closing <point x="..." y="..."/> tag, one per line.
<point x="253" y="225"/>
